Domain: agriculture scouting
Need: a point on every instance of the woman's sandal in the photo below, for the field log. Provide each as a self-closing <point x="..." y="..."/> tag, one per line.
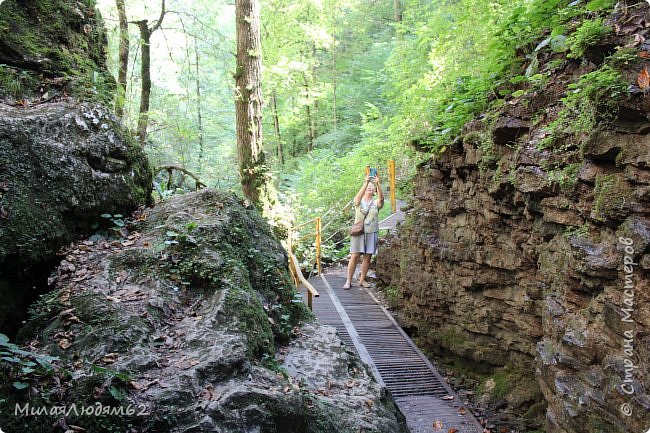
<point x="364" y="284"/>
<point x="346" y="286"/>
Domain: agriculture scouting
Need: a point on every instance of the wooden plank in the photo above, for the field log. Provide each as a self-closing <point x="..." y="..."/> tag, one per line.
<point x="394" y="359"/>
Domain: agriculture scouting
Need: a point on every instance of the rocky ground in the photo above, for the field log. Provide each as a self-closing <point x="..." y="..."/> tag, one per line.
<point x="189" y="317"/>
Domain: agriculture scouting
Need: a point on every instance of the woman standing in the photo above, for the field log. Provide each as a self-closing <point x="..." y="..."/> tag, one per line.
<point x="366" y="209"/>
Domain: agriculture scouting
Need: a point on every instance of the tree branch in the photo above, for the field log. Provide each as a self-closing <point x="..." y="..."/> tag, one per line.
<point x="156" y="26"/>
<point x="169" y="168"/>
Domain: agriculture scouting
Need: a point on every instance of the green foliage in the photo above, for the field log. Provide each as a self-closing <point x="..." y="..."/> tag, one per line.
<point x="588" y="34"/>
<point x="577" y="231"/>
<point x="566" y="177"/>
<point x="594" y="98"/>
<point x="23" y="365"/>
<point x="623" y="57"/>
<point x="46" y="307"/>
<point x="116" y="220"/>
<point x="392" y="296"/>
<point x="16" y="83"/>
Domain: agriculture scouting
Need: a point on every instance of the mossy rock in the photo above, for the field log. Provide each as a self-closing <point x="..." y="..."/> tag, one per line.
<point x="63" y="164"/>
<point x="612" y="198"/>
<point x="206" y="332"/>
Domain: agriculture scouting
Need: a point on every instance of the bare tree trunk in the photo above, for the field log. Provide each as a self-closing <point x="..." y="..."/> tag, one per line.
<point x="310" y="121"/>
<point x="248" y="101"/>
<point x="334" y="84"/>
<point x="145" y="72"/>
<point x="124" y="58"/>
<point x="145" y="94"/>
<point x="198" y="105"/>
<point x="276" y="127"/>
<point x="397" y="11"/>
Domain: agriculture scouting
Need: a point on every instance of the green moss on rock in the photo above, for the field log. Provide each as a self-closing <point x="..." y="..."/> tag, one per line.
<point x="54" y="39"/>
<point x="612" y="198"/>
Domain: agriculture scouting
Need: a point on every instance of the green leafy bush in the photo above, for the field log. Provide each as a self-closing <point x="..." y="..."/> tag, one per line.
<point x="19" y="365"/>
<point x="587" y="35"/>
<point x="594" y="98"/>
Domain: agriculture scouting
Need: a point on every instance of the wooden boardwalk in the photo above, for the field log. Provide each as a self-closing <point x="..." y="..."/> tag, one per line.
<point x="421" y="393"/>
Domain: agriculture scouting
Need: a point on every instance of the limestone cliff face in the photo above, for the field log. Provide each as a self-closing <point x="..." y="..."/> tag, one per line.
<point x="63" y="162"/>
<point x="536" y="257"/>
<point x="62" y="165"/>
<point x="53" y="47"/>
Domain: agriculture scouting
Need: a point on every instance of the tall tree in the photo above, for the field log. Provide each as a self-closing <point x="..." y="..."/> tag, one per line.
<point x="123" y="56"/>
<point x="397" y="11"/>
<point x="198" y="104"/>
<point x="145" y="94"/>
<point x="248" y="101"/>
<point x="276" y="127"/>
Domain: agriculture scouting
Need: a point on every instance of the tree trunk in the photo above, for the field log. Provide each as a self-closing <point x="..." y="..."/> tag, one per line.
<point x="310" y="121"/>
<point x="276" y="127"/>
<point x="334" y="84"/>
<point x="145" y="71"/>
<point x="248" y="101"/>
<point x="397" y="11"/>
<point x="124" y="58"/>
<point x="198" y="105"/>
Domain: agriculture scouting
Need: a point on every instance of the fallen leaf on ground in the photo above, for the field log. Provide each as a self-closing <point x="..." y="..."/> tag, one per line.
<point x="437" y="425"/>
<point x="64" y="343"/>
<point x="643" y="79"/>
<point x="207" y="394"/>
<point x="109" y="358"/>
<point x="462" y="411"/>
<point x="447" y="397"/>
<point x="452" y="430"/>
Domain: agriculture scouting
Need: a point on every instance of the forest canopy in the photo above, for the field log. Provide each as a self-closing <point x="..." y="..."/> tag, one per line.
<point x="346" y="84"/>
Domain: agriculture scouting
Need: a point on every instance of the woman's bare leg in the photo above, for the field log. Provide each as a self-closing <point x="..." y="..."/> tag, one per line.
<point x="352" y="266"/>
<point x="365" y="265"/>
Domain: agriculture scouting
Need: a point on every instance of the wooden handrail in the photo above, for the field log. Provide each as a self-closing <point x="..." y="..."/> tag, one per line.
<point x="298" y="278"/>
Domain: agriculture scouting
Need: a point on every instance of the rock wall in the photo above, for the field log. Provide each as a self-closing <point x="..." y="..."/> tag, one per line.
<point x="53" y="47"/>
<point x="63" y="162"/>
<point x="534" y="260"/>
<point x="62" y="165"/>
<point x="191" y="321"/>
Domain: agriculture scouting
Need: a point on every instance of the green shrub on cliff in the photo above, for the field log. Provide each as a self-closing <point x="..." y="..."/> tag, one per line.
<point x="593" y="99"/>
<point x="587" y="35"/>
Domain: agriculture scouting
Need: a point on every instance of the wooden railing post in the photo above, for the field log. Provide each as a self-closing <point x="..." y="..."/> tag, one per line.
<point x="391" y="175"/>
<point x="318" y="241"/>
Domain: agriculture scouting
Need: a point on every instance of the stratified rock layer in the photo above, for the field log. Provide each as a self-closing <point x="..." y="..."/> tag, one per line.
<point x="535" y="260"/>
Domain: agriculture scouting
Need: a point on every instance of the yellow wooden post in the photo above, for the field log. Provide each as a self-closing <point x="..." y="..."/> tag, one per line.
<point x="289" y="240"/>
<point x="391" y="174"/>
<point x="367" y="170"/>
<point x="318" y="241"/>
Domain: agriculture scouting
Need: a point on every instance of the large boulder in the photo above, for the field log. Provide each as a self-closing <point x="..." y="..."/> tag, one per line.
<point x="47" y="47"/>
<point x="62" y="165"/>
<point x="192" y="322"/>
